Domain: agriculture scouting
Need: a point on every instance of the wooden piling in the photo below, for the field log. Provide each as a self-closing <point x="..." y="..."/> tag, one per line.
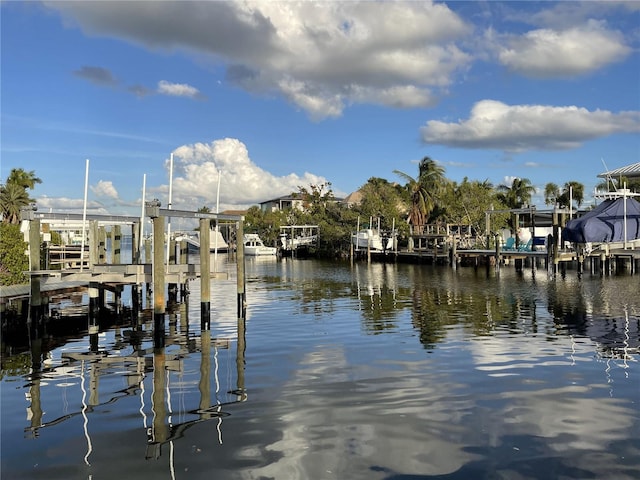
<point x="158" y="281"/>
<point x="36" y="311"/>
<point x="93" y="243"/>
<point x="240" y="358"/>
<point x="204" y="385"/>
<point x="116" y="241"/>
<point x="102" y="245"/>
<point x="242" y="298"/>
<point x="205" y="275"/>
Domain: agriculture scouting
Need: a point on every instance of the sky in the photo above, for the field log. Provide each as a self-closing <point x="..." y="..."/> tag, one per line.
<point x="265" y="97"/>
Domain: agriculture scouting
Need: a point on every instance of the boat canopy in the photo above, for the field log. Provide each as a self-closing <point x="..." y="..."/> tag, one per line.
<point x="606" y="223"/>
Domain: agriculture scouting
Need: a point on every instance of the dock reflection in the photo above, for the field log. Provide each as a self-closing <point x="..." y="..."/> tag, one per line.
<point x="148" y="361"/>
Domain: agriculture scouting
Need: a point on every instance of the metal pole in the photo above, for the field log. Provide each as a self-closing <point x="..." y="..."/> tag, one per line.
<point x="215" y="250"/>
<point x="144" y="193"/>
<point x="84" y="213"/>
<point x="169" y="207"/>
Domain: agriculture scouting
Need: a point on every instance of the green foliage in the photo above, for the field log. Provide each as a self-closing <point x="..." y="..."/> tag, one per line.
<point x="383" y="199"/>
<point x="12" y="198"/>
<point x="424" y="191"/>
<point x="571" y="192"/>
<point x="56" y="238"/>
<point x="13" y="261"/>
<point x="16" y="365"/>
<point x="467" y="203"/>
<point x="14" y="195"/>
<point x="266" y="224"/>
<point x="517" y="194"/>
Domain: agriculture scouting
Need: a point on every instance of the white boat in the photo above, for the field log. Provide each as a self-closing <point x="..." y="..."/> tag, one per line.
<point x="216" y="240"/>
<point x="370" y="239"/>
<point x="253" y="246"/>
<point x="293" y="237"/>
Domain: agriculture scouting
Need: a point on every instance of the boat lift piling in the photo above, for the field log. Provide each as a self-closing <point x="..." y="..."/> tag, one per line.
<point x="154" y="211"/>
<point x="205" y="280"/>
<point x="91" y="268"/>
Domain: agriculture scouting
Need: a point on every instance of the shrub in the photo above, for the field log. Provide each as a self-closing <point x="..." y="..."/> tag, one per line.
<point x="13" y="261"/>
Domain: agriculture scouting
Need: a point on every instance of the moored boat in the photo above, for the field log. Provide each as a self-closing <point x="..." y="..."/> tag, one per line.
<point x="254" y="246"/>
<point x="371" y="239"/>
<point x="216" y="240"/>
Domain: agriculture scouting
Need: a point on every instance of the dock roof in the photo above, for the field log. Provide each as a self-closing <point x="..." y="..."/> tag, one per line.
<point x="629" y="171"/>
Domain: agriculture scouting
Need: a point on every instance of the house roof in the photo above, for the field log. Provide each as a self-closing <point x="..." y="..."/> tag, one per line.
<point x="629" y="171"/>
<point x="353" y="197"/>
<point x="291" y="197"/>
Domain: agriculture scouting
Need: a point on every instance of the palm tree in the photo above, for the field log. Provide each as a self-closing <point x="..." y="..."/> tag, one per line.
<point x="423" y="190"/>
<point x="551" y="193"/>
<point x="13" y="194"/>
<point x="571" y="192"/>
<point x="12" y="198"/>
<point x="515" y="196"/>
<point x="21" y="177"/>
<point x="518" y="194"/>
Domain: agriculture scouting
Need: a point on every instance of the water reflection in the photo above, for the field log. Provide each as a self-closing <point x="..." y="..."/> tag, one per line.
<point x="135" y="356"/>
<point x="373" y="371"/>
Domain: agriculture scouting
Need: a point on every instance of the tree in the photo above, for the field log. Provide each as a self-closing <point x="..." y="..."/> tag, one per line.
<point x="265" y="224"/>
<point x="423" y="190"/>
<point x="14" y="195"/>
<point x="12" y="198"/>
<point x="315" y="199"/>
<point x="381" y="199"/>
<point x="551" y="193"/>
<point x="467" y="203"/>
<point x="571" y="191"/>
<point x="13" y="261"/>
<point x="516" y="195"/>
<point x="21" y="177"/>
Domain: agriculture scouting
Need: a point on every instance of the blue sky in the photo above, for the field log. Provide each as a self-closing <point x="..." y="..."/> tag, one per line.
<point x="276" y="95"/>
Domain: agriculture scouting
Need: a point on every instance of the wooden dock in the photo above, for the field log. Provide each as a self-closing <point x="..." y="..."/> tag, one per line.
<point x="86" y="269"/>
<point x="613" y="260"/>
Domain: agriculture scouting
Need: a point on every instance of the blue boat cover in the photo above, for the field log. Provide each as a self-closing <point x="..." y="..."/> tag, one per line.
<point x="605" y="223"/>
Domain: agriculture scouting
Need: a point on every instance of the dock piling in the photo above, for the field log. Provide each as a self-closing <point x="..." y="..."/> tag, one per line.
<point x="242" y="298"/>
<point x="205" y="275"/>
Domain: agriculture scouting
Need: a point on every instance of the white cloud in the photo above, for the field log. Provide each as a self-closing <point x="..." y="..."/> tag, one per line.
<point x="561" y="15"/>
<point x="177" y="89"/>
<point x="105" y="189"/>
<point x="546" y="53"/>
<point x="65" y="204"/>
<point x="321" y="56"/>
<point x="242" y="184"/>
<point x="518" y="128"/>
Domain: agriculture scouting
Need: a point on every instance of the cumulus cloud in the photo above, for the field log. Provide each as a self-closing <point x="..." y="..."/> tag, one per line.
<point x="105" y="189"/>
<point x="518" y="128"/>
<point x="96" y="75"/>
<point x="242" y="182"/>
<point x="321" y="56"/>
<point x="546" y="53"/>
<point x="178" y="89"/>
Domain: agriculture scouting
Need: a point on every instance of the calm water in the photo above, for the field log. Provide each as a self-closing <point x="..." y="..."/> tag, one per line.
<point x="346" y="372"/>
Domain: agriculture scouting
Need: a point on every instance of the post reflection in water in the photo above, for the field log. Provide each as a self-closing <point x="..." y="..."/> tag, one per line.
<point x="372" y="371"/>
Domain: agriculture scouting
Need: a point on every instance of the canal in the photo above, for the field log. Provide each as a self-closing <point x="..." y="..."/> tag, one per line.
<point x="340" y="371"/>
